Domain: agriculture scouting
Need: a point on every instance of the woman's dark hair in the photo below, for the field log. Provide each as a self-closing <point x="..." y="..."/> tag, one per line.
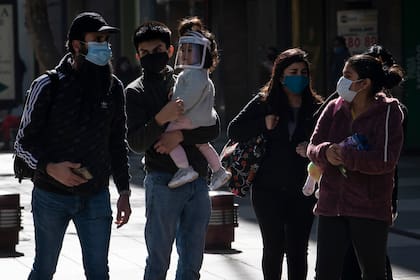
<point x="273" y="90"/>
<point x="195" y="24"/>
<point x="395" y="72"/>
<point x="382" y="54"/>
<point x="383" y="78"/>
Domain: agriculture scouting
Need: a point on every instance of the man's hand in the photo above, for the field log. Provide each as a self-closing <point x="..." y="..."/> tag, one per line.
<point x="170" y="112"/>
<point x="123" y="210"/>
<point x="62" y="172"/>
<point x="168" y="141"/>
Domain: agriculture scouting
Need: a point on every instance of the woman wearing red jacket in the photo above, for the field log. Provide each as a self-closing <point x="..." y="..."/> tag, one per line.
<point x="356" y="206"/>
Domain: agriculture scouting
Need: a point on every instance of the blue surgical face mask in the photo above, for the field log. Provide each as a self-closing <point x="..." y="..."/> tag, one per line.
<point x="296" y="84"/>
<point x="99" y="53"/>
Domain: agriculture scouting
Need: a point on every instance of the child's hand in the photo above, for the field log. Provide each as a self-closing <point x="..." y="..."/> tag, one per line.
<point x="170" y="112"/>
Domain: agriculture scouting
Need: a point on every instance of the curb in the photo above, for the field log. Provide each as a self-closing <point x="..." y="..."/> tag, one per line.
<point x="405" y="233"/>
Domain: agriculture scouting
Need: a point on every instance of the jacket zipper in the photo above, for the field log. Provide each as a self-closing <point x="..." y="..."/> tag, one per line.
<point x="342" y="187"/>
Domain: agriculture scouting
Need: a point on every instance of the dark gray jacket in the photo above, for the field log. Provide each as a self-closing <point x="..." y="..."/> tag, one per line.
<point x="146" y="96"/>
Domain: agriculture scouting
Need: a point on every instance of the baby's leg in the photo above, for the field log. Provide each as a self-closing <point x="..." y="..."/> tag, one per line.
<point x="178" y="154"/>
<point x="185" y="173"/>
<point x="211" y="156"/>
<point x="179" y="157"/>
<point x="220" y="175"/>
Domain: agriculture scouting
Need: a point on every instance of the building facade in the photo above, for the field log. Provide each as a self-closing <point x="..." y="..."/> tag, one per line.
<point x="250" y="33"/>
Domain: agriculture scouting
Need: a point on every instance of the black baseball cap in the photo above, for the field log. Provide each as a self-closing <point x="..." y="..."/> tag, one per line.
<point x="88" y="22"/>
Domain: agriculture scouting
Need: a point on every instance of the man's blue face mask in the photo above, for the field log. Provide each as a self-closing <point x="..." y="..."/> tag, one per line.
<point x="296" y="84"/>
<point x="99" y="53"/>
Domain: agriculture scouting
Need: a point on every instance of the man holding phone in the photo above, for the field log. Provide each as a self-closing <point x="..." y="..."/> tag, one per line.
<point x="73" y="134"/>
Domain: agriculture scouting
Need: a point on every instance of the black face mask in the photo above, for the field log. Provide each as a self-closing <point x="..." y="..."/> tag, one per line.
<point x="154" y="62"/>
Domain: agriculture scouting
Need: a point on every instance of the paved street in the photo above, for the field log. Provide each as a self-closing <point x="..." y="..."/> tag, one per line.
<point x="242" y="262"/>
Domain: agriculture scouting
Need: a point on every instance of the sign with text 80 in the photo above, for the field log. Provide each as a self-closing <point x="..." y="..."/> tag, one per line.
<point x="358" y="44"/>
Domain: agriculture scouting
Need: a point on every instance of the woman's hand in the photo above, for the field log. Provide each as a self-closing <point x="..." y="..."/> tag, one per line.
<point x="271" y="121"/>
<point x="301" y="149"/>
<point x="333" y="155"/>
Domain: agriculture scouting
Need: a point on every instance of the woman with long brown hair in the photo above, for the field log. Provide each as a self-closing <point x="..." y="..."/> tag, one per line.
<point x="282" y="113"/>
<point x="356" y="208"/>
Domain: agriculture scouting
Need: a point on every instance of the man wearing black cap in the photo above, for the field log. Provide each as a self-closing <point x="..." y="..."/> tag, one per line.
<point x="72" y="134"/>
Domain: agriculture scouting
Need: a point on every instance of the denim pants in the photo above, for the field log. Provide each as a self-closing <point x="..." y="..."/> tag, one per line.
<point x="92" y="217"/>
<point x="183" y="214"/>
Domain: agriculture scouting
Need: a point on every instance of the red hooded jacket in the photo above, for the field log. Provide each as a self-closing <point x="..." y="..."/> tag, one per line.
<point x="367" y="190"/>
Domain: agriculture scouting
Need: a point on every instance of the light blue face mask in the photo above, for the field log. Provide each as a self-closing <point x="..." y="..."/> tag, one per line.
<point x="99" y="53"/>
<point x="296" y="84"/>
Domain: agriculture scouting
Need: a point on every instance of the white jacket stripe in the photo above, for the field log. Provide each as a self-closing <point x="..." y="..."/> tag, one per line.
<point x="26" y="119"/>
<point x="386" y="134"/>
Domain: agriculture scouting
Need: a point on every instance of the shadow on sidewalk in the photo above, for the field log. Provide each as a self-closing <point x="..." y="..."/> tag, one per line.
<point x="7" y="254"/>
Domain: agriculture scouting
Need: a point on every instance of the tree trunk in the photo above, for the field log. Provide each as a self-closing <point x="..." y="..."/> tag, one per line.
<point x="36" y="16"/>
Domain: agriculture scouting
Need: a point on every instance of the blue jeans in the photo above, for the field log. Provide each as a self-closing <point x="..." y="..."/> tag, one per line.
<point x="92" y="217"/>
<point x="182" y="214"/>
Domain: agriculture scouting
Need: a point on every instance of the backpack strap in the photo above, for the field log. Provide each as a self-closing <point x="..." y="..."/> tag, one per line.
<point x="53" y="75"/>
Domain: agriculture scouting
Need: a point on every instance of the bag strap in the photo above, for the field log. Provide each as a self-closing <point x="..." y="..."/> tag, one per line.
<point x="53" y="75"/>
<point x="324" y="104"/>
<point x="55" y="79"/>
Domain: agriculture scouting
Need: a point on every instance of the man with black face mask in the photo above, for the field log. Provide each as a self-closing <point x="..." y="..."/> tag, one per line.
<point x="182" y="213"/>
<point x="73" y="134"/>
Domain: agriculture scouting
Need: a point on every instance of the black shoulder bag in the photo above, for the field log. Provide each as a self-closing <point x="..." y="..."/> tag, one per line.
<point x="243" y="159"/>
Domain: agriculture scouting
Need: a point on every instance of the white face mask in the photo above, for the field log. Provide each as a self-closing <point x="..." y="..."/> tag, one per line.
<point x="343" y="89"/>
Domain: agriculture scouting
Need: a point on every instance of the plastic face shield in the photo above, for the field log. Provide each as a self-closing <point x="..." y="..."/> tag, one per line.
<point x="191" y="51"/>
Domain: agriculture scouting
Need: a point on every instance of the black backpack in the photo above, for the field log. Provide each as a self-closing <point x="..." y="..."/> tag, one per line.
<point x="21" y="169"/>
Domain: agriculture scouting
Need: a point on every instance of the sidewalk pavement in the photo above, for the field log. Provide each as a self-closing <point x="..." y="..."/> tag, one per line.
<point x="128" y="252"/>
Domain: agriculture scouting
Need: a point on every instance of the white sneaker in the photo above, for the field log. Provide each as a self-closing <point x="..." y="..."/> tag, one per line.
<point x="183" y="176"/>
<point x="219" y="178"/>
